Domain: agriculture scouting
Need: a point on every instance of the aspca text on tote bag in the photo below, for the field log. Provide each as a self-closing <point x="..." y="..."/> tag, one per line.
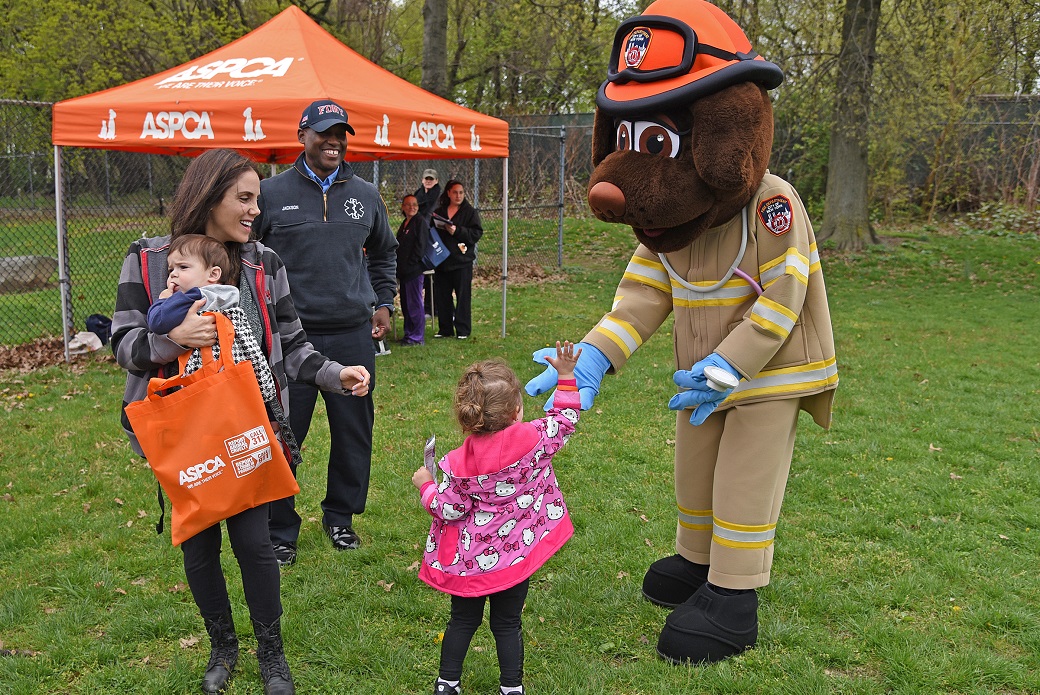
<point x="210" y="443"/>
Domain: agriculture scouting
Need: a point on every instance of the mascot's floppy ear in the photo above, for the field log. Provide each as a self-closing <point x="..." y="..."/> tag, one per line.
<point x="732" y="138"/>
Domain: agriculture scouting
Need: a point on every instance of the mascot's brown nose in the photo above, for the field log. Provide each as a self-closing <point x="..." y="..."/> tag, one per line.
<point x="607" y="201"/>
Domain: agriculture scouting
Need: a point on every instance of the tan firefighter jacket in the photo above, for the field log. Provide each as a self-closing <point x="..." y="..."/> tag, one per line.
<point x="780" y="342"/>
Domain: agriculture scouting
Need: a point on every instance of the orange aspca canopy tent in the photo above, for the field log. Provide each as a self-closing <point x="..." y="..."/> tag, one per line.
<point x="249" y="94"/>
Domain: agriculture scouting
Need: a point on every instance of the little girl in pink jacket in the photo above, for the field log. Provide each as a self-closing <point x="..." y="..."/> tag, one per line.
<point x="498" y="514"/>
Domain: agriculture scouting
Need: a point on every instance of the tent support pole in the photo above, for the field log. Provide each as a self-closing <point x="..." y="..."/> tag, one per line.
<point x="63" y="257"/>
<point x="563" y="197"/>
<point x="505" y="237"/>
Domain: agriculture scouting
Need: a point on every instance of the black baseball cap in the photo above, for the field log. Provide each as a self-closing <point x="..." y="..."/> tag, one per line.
<point x="322" y="115"/>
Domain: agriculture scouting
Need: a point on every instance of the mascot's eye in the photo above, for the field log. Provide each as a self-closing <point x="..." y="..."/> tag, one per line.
<point x="624" y="136"/>
<point x="654" y="138"/>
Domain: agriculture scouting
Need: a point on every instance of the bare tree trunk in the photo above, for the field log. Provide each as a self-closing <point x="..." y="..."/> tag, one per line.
<point x="1033" y="179"/>
<point x="845" y="213"/>
<point x="435" y="47"/>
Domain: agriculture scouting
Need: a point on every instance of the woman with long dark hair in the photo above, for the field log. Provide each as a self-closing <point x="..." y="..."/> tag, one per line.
<point x="460" y="230"/>
<point x="218" y="198"/>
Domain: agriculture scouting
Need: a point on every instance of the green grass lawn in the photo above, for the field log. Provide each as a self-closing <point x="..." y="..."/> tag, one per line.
<point x="906" y="554"/>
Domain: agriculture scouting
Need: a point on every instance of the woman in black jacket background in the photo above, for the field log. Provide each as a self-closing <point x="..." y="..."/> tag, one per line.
<point x="460" y="230"/>
<point x="412" y="238"/>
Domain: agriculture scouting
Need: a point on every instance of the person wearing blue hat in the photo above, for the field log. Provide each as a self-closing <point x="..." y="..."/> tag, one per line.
<point x="332" y="231"/>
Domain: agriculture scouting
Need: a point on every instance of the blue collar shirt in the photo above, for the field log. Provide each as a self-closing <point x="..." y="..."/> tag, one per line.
<point x="324" y="183"/>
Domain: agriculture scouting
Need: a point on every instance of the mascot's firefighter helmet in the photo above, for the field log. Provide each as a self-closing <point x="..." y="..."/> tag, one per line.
<point x="676" y="52"/>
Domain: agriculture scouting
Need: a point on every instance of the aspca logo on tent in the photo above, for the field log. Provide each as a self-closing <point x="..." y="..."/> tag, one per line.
<point x="165" y="125"/>
<point x="383" y="132"/>
<point x="108" y="126"/>
<point x="428" y="134"/>
<point x="233" y="68"/>
<point x="199" y="470"/>
<point x="253" y="129"/>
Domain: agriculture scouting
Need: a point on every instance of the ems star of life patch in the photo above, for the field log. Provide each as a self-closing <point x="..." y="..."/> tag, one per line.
<point x="775" y="214"/>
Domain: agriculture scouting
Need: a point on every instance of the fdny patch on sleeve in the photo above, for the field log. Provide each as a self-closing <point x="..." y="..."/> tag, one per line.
<point x="775" y="214"/>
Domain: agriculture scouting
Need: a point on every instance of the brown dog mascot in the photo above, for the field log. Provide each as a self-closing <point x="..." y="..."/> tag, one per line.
<point x="683" y="133"/>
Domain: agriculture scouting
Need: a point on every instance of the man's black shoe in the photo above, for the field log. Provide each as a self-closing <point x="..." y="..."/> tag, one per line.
<point x="342" y="537"/>
<point x="285" y="553"/>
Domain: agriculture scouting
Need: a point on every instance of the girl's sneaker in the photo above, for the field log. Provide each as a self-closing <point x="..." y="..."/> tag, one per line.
<point x="442" y="688"/>
<point x="511" y="690"/>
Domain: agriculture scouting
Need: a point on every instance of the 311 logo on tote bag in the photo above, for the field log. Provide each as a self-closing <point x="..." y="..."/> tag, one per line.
<point x="252" y="448"/>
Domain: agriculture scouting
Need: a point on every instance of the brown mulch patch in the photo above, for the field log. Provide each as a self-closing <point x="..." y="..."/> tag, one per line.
<point x="45" y="352"/>
<point x="519" y="274"/>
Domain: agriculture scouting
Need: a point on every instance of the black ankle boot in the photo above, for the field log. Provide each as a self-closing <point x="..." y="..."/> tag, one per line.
<point x="223" y="653"/>
<point x="271" y="655"/>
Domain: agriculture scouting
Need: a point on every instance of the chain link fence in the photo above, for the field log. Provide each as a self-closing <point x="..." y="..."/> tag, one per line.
<point x="113" y="198"/>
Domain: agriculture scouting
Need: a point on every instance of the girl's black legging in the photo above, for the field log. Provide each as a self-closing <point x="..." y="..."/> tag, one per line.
<point x="466" y="615"/>
<point x="251" y="543"/>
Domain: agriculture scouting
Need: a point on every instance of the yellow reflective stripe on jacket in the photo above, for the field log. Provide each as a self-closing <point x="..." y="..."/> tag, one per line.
<point x="695" y="519"/>
<point x="814" y="259"/>
<point x="773" y="317"/>
<point x="814" y="376"/>
<point x="735" y="291"/>
<point x="742" y="536"/>
<point x="622" y="333"/>
<point x="792" y="263"/>
<point x="647" y="272"/>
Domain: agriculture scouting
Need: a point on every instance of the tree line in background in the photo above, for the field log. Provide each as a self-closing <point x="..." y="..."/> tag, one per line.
<point x="905" y="85"/>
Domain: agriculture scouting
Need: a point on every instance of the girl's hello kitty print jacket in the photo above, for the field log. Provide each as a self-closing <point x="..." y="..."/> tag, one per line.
<point x="498" y="514"/>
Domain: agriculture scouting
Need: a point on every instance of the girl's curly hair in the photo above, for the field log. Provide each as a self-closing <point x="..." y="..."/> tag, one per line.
<point x="487" y="397"/>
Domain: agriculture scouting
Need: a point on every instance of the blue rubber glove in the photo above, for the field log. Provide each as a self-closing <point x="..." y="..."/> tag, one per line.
<point x="700" y="393"/>
<point x="592" y="365"/>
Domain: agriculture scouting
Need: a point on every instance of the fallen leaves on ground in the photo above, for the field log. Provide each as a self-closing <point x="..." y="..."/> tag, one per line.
<point x="518" y="274"/>
<point x="46" y="352"/>
<point x="30" y="356"/>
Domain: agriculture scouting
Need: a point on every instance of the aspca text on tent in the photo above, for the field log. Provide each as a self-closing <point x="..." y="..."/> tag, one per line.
<point x="240" y="72"/>
<point x="166" y="124"/>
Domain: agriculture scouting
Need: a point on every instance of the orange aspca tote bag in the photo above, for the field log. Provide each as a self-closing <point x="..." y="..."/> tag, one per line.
<point x="210" y="442"/>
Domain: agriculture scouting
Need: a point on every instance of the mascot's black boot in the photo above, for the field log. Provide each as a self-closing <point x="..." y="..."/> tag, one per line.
<point x="710" y="627"/>
<point x="672" y="580"/>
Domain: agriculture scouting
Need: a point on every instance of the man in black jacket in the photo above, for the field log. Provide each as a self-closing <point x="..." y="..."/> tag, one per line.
<point x="331" y="230"/>
<point x="428" y="193"/>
